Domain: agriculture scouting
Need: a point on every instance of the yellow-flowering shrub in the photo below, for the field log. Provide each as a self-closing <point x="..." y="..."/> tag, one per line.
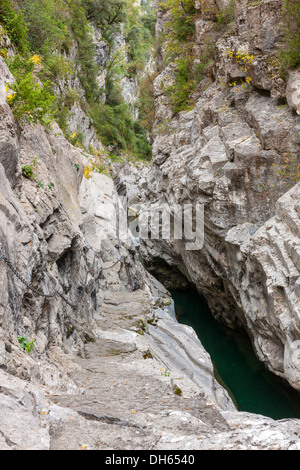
<point x="87" y="172"/>
<point x="244" y="60"/>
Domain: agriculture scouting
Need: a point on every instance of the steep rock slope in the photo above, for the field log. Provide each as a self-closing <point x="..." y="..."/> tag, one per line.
<point x="103" y="375"/>
<point x="236" y="152"/>
<point x="110" y="368"/>
<point x="55" y="234"/>
<point x="71" y="282"/>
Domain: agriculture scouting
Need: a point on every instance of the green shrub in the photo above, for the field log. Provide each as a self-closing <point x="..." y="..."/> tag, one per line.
<point x="182" y="16"/>
<point x="46" y="23"/>
<point x="226" y="15"/>
<point x="184" y="85"/>
<point x="28" y="172"/>
<point x="149" y="22"/>
<point x="14" y="24"/>
<point x="179" y="50"/>
<point x="147" y="101"/>
<point x="26" y="344"/>
<point x="141" y="145"/>
<point x="28" y="98"/>
<point x="107" y="14"/>
<point x="88" y="68"/>
<point x="44" y="30"/>
<point x="177" y="390"/>
<point x="139" y="40"/>
<point x="289" y="56"/>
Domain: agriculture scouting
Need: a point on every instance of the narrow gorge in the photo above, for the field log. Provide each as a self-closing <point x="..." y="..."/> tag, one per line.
<point x="111" y="109"/>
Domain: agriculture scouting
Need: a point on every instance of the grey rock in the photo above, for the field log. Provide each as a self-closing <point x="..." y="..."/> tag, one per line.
<point x="2" y="355"/>
<point x="293" y="91"/>
<point x="221" y="154"/>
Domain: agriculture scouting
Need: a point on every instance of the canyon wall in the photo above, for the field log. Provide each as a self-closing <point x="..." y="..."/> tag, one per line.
<point x="237" y="153"/>
<point x="110" y="366"/>
<point x="72" y="286"/>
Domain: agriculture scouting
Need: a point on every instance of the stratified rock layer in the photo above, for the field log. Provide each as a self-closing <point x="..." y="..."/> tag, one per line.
<point x="237" y="153"/>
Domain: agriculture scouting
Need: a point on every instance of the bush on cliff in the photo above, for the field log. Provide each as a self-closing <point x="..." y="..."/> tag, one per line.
<point x="50" y="29"/>
<point x="289" y="56"/>
<point x="28" y="97"/>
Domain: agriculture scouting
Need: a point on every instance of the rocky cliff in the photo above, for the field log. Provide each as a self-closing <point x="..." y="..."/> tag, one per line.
<point x="72" y="285"/>
<point x="110" y="367"/>
<point x="237" y="153"/>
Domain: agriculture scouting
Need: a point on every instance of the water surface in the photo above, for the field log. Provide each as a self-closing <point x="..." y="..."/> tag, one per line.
<point x="250" y="384"/>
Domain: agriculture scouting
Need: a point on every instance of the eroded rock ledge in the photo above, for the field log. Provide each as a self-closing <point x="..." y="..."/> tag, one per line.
<point x="231" y="153"/>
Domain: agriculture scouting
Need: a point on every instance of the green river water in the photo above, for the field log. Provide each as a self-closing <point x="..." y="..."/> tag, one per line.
<point x="250" y="384"/>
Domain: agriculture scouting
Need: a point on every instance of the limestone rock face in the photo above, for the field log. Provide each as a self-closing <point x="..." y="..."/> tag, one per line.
<point x="71" y="281"/>
<point x="56" y="231"/>
<point x="236" y="153"/>
<point x="293" y="91"/>
<point x="111" y="367"/>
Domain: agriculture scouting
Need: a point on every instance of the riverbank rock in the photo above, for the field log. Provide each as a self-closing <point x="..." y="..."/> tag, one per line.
<point x="236" y="153"/>
<point x="130" y="392"/>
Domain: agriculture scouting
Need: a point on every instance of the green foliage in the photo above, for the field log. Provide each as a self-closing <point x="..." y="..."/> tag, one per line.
<point x="13" y="22"/>
<point x="46" y="21"/>
<point x="179" y="93"/>
<point x="149" y="22"/>
<point x="179" y="50"/>
<point x="43" y="30"/>
<point x="147" y="102"/>
<point x="177" y="390"/>
<point x="226" y="15"/>
<point x="146" y="6"/>
<point x="28" y="97"/>
<point x="26" y="344"/>
<point x="182" y="17"/>
<point x="117" y="129"/>
<point x="115" y="69"/>
<point x="141" y="144"/>
<point x="289" y="56"/>
<point x="88" y="68"/>
<point x="138" y="40"/>
<point x="113" y="120"/>
<point x="188" y="75"/>
<point x="58" y="67"/>
<point x="28" y="172"/>
<point x="107" y="14"/>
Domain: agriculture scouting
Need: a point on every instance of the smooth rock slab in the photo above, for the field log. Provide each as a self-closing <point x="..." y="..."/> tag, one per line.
<point x="293" y="91"/>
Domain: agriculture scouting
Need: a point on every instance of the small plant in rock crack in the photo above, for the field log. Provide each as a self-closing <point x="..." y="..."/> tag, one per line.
<point x="141" y="327"/>
<point x="165" y="372"/>
<point x="284" y="176"/>
<point x="51" y="186"/>
<point x="147" y="354"/>
<point x="28" y="172"/>
<point x="26" y="344"/>
<point x="177" y="391"/>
